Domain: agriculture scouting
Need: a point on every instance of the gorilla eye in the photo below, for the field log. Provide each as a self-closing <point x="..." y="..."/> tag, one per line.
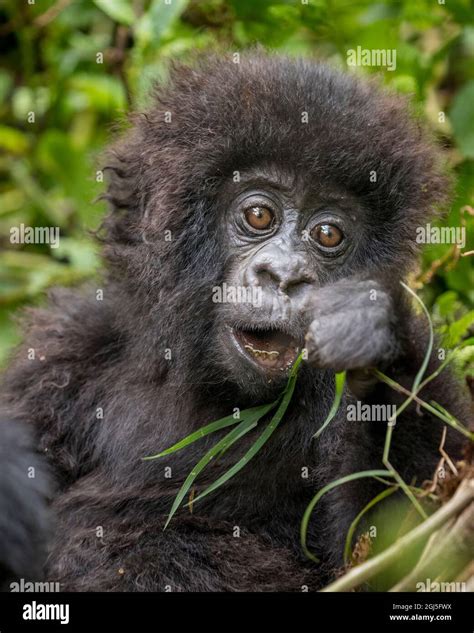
<point x="260" y="218"/>
<point x="327" y="235"/>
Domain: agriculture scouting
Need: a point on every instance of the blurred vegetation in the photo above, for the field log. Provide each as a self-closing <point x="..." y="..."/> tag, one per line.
<point x="80" y="65"/>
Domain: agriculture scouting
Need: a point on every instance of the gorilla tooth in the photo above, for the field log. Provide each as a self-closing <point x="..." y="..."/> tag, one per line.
<point x="261" y="352"/>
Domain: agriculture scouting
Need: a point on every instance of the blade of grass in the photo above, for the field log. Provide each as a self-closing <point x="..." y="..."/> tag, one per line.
<point x="229" y="439"/>
<point x="254" y="449"/>
<point x="449" y="358"/>
<point x="434" y="408"/>
<point x="449" y="418"/>
<point x="266" y="409"/>
<point x="222" y="423"/>
<point x="322" y="492"/>
<point x="340" y="382"/>
<point x="426" y="359"/>
<point x="411" y="396"/>
<point x="391" y="472"/>
<point x="404" y="486"/>
<point x="422" y="385"/>
<point x="429" y="349"/>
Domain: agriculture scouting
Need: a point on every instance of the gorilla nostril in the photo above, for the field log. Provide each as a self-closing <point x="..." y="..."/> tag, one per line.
<point x="296" y="279"/>
<point x="267" y="278"/>
<point x="297" y="288"/>
<point x="266" y="275"/>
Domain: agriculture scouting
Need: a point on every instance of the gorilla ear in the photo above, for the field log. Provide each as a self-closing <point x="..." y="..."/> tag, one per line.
<point x="147" y="173"/>
<point x="127" y="193"/>
<point x="123" y="167"/>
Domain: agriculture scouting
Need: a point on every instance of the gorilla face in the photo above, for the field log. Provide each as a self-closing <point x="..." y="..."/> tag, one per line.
<point x="285" y="240"/>
<point x="335" y="197"/>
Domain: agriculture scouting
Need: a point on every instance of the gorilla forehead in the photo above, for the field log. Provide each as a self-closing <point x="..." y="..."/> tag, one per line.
<point x="306" y="115"/>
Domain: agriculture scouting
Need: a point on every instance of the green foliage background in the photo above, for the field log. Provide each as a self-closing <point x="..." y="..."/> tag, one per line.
<point x="50" y="65"/>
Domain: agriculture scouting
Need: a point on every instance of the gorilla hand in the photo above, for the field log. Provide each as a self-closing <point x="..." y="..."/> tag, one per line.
<point x="353" y="326"/>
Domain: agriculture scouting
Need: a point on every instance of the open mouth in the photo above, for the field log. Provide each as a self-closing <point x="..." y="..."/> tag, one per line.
<point x="271" y="349"/>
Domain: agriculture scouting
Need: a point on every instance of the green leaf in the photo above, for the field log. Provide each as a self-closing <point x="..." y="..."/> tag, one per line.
<point x="119" y="10"/>
<point x="340" y="382"/>
<point x="426" y="360"/>
<point x="462" y="119"/>
<point x="222" y="423"/>
<point x="225" y="442"/>
<point x="446" y="303"/>
<point x="82" y="254"/>
<point x="12" y="140"/>
<point x="458" y="329"/>
<point x="273" y="424"/>
<point x="454" y="355"/>
<point x="101" y="93"/>
<point x="163" y="15"/>
<point x="154" y="24"/>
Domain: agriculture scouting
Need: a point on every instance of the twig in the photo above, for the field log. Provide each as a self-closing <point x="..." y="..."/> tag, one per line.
<point x="52" y="13"/>
<point x="444" y="459"/>
<point x="412" y="396"/>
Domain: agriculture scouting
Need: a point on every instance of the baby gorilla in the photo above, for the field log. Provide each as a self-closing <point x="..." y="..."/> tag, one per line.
<point x="303" y="186"/>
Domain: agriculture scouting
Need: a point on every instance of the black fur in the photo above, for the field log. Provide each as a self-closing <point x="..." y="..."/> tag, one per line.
<point x="24" y="520"/>
<point x="111" y="354"/>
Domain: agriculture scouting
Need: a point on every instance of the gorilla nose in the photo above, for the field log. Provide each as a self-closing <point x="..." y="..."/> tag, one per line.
<point x="289" y="275"/>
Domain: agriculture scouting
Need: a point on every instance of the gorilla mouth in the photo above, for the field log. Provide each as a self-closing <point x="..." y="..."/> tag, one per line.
<point x="271" y="349"/>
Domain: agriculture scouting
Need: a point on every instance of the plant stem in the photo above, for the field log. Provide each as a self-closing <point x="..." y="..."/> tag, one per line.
<point x="412" y="396"/>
